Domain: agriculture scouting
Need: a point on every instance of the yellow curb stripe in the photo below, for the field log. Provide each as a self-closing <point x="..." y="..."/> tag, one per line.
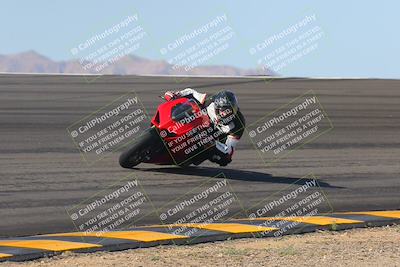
<point x="234" y="228"/>
<point x="318" y="220"/>
<point x="395" y="214"/>
<point x="52" y="245"/>
<point x="4" y="255"/>
<point x="145" y="236"/>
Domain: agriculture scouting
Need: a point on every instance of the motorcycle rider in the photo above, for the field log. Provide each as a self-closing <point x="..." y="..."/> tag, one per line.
<point x="224" y="112"/>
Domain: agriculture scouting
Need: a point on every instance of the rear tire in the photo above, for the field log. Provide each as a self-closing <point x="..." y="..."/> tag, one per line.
<point x="143" y="148"/>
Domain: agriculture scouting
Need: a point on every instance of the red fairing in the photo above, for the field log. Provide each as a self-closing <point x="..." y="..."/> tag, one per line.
<point x="173" y="129"/>
<point x="163" y="119"/>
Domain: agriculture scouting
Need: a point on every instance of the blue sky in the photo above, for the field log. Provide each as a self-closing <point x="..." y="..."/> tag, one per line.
<point x="361" y="38"/>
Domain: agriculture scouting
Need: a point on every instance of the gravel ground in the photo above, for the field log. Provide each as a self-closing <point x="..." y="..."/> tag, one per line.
<point x="358" y="247"/>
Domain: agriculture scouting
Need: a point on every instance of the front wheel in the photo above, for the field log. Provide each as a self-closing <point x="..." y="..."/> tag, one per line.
<point x="142" y="149"/>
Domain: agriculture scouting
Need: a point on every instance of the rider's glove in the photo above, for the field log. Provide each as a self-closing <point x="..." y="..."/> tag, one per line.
<point x="170" y="95"/>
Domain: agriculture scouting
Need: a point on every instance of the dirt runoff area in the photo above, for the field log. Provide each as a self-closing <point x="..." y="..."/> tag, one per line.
<point x="358" y="247"/>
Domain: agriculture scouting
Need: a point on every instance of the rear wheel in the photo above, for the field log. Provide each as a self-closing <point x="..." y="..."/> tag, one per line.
<point x="141" y="150"/>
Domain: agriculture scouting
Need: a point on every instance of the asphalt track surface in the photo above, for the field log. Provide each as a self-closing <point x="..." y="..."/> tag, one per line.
<point x="42" y="173"/>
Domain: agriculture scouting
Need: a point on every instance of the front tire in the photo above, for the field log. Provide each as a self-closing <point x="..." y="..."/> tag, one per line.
<point x="142" y="149"/>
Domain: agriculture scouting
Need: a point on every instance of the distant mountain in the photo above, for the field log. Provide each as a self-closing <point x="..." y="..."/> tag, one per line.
<point x="32" y="62"/>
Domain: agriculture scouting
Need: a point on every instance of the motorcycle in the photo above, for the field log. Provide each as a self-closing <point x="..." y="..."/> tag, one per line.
<point x="181" y="134"/>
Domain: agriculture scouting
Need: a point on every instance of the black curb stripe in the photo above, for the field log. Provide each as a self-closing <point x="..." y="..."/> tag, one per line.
<point x="17" y="250"/>
<point x="361" y="217"/>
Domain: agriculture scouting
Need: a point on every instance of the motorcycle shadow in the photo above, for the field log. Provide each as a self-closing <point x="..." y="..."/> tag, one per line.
<point x="235" y="174"/>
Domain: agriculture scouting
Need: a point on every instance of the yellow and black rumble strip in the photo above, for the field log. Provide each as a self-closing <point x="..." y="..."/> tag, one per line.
<point x="33" y="247"/>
